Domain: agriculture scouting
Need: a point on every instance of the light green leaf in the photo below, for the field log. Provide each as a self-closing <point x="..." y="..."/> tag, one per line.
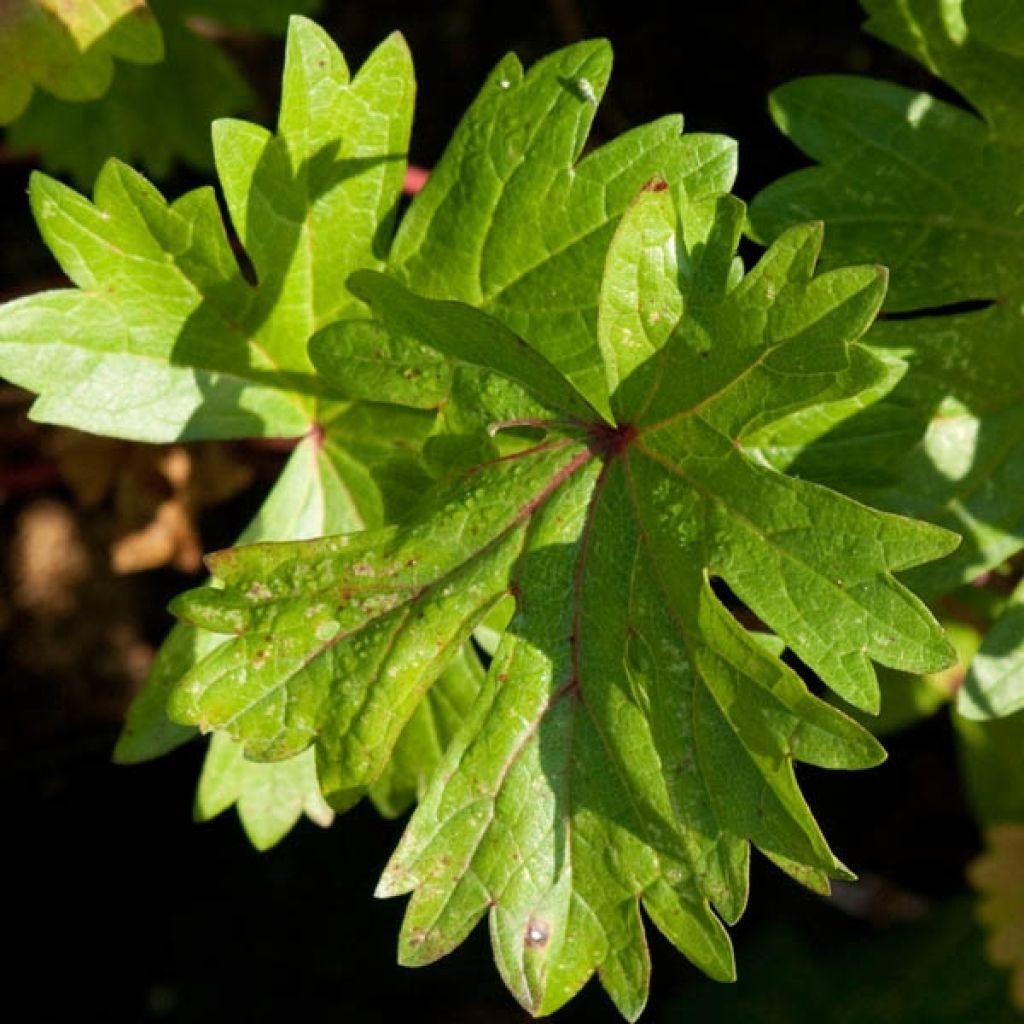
<point x="270" y="797"/>
<point x="995" y="683"/>
<point x="340" y="480"/>
<point x="161" y="301"/>
<point x="632" y="738"/>
<point x="510" y="223"/>
<point x="427" y="734"/>
<point x="933" y="191"/>
<point x="68" y="49"/>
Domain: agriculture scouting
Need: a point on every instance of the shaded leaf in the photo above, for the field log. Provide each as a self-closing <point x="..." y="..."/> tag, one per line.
<point x="151" y="117"/>
<point x="69" y="49"/>
<point x="270" y="16"/>
<point x="270" y="797"/>
<point x="929" y="972"/>
<point x="991" y="767"/>
<point x="995" y="684"/>
<point x="932" y="191"/>
<point x="998" y="875"/>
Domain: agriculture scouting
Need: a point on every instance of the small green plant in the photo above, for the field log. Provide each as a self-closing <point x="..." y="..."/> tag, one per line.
<point x="568" y="478"/>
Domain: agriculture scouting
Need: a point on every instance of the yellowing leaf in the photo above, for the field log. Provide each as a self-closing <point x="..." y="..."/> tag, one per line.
<point x="998" y="875"/>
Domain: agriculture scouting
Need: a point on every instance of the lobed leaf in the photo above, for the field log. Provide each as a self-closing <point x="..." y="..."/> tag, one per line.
<point x="632" y="738"/>
<point x="353" y="475"/>
<point x="513" y="222"/>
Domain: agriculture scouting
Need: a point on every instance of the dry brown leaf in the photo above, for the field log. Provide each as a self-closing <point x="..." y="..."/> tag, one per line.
<point x="157" y="492"/>
<point x="48" y="559"/>
<point x="998" y="875"/>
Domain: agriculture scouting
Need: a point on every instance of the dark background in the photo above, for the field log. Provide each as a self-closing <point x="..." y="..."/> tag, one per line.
<point x="121" y="909"/>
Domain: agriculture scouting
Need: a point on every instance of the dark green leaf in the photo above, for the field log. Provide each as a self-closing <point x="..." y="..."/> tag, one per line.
<point x="151" y="117"/>
<point x="69" y="49"/>
<point x="930" y="971"/>
<point x="932" y="191"/>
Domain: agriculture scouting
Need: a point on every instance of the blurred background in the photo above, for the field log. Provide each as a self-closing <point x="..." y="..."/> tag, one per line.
<point x="118" y="906"/>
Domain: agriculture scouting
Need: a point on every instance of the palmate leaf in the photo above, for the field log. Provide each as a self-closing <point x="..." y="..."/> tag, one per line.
<point x="934" y="192"/>
<point x="161" y="300"/>
<point x="69" y="49"/>
<point x="632" y="738"/>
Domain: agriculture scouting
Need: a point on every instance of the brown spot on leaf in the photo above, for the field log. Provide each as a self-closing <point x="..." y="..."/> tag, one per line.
<point x="656" y="184"/>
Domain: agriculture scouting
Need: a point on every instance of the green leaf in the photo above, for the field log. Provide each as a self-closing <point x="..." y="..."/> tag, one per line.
<point x="151" y="117"/>
<point x="314" y="494"/>
<point x="511" y="223"/>
<point x="270" y="797"/>
<point x="995" y="683"/>
<point x="426" y="736"/>
<point x="907" y="699"/>
<point x="632" y="738"/>
<point x="161" y="302"/>
<point x="341" y="480"/>
<point x="932" y="191"/>
<point x="69" y="49"/>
